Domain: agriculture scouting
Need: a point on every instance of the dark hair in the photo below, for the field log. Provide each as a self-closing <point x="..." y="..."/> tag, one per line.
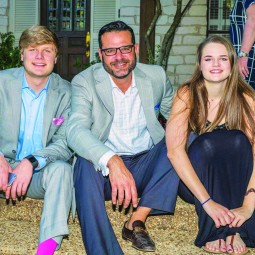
<point x="115" y="26"/>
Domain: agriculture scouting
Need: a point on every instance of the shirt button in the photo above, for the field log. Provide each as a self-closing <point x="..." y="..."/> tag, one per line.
<point x="13" y="151"/>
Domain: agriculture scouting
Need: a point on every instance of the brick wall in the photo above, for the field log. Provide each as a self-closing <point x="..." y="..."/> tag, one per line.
<point x="188" y="35"/>
<point x="3" y="16"/>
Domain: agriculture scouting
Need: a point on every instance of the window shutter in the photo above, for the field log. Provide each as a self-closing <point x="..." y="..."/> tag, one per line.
<point x="22" y="14"/>
<point x="102" y="12"/>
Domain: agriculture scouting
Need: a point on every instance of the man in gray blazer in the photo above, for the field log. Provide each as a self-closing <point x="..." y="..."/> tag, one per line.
<point x="119" y="142"/>
<point x="34" y="107"/>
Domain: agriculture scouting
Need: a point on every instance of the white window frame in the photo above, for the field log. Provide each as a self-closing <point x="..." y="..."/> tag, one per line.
<point x="219" y="21"/>
<point x="94" y="31"/>
<point x="28" y="19"/>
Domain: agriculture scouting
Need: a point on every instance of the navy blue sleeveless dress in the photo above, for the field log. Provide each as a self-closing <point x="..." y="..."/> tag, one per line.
<point x="223" y="161"/>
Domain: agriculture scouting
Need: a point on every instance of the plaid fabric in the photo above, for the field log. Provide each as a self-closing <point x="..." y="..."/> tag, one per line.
<point x="128" y="134"/>
<point x="237" y="22"/>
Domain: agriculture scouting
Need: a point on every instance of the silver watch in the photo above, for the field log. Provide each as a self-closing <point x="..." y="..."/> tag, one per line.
<point x="242" y="54"/>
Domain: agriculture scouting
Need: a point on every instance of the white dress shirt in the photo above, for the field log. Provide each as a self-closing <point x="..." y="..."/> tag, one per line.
<point x="128" y="134"/>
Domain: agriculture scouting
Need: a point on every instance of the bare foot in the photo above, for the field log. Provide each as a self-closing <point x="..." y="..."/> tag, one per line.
<point x="235" y="245"/>
<point x="216" y="246"/>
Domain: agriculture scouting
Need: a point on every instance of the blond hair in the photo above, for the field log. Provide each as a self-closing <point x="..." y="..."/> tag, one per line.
<point x="38" y="35"/>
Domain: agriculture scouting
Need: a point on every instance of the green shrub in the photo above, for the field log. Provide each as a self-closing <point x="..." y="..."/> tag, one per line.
<point x="78" y="63"/>
<point x="9" y="54"/>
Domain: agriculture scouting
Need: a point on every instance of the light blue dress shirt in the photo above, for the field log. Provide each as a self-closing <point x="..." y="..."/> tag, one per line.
<point x="31" y="122"/>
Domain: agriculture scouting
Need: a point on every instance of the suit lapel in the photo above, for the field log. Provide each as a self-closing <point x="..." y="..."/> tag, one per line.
<point x="144" y="87"/>
<point x="50" y="109"/>
<point x="104" y="89"/>
<point x="16" y="107"/>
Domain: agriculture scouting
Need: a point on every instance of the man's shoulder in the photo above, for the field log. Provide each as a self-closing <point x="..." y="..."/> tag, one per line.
<point x="149" y="69"/>
<point x="94" y="72"/>
<point x="12" y="73"/>
<point x="61" y="83"/>
<point x="150" y="72"/>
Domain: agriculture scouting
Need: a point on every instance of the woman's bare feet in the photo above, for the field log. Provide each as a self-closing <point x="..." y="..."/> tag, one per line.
<point x="217" y="246"/>
<point x="235" y="245"/>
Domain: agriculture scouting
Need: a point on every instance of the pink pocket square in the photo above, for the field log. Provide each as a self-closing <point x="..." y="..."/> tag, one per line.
<point x="58" y="121"/>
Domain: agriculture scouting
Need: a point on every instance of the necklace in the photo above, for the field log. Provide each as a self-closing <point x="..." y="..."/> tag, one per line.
<point x="214" y="99"/>
<point x="213" y="103"/>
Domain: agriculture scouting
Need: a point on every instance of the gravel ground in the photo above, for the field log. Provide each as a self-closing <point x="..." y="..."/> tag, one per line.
<point x="173" y="235"/>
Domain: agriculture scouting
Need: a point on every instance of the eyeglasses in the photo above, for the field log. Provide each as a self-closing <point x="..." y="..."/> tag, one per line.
<point x="123" y="49"/>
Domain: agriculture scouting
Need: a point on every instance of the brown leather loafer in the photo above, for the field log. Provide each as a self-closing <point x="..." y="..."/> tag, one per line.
<point x="138" y="236"/>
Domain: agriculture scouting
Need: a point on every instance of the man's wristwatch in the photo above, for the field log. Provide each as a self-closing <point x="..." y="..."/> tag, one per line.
<point x="242" y="54"/>
<point x="33" y="161"/>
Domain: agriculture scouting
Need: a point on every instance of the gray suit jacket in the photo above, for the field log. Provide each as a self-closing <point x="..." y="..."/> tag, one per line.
<point x="57" y="104"/>
<point x="92" y="108"/>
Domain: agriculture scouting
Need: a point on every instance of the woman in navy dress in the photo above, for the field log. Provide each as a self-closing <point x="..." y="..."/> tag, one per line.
<point x="242" y="32"/>
<point x="216" y="110"/>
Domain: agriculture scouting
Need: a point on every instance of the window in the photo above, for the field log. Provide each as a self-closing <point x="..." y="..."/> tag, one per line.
<point x="67" y="15"/>
<point x="22" y="15"/>
<point x="218" y="17"/>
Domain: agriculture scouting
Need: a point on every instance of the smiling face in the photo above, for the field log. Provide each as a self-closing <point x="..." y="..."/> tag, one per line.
<point x="120" y="65"/>
<point x="39" y="60"/>
<point x="215" y="64"/>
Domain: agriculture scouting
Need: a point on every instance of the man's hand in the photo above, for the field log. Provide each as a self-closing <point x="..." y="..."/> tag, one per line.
<point x="123" y="183"/>
<point x="220" y="214"/>
<point x="24" y="171"/>
<point x="5" y="168"/>
<point x="242" y="66"/>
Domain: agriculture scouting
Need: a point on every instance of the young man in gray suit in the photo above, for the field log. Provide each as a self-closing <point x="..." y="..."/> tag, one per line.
<point x="119" y="142"/>
<point x="34" y="107"/>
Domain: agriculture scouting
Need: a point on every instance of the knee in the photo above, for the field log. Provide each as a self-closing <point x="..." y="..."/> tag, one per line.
<point x="83" y="170"/>
<point x="60" y="171"/>
<point x="241" y="140"/>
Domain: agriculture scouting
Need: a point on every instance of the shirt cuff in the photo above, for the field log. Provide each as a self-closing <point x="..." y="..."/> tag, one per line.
<point x="103" y="162"/>
<point x="41" y="161"/>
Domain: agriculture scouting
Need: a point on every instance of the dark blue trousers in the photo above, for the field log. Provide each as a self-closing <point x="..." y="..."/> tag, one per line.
<point x="156" y="182"/>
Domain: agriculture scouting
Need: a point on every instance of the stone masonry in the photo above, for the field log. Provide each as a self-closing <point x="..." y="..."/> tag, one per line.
<point x="188" y="35"/>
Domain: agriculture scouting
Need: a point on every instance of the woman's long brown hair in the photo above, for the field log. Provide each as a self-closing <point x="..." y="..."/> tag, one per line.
<point x="234" y="107"/>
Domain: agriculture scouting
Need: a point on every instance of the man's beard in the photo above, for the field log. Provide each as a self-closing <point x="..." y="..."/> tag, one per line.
<point x="109" y="70"/>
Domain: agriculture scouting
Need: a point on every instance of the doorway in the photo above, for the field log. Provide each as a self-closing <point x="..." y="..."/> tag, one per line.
<point x="70" y="20"/>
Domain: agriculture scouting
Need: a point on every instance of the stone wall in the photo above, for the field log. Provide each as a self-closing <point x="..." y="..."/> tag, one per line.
<point x="3" y="16"/>
<point x="130" y="14"/>
<point x="188" y="35"/>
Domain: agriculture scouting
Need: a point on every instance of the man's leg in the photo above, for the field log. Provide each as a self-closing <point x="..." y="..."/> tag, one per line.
<point x="157" y="185"/>
<point x="91" y="189"/>
<point x="156" y="180"/>
<point x="54" y="184"/>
